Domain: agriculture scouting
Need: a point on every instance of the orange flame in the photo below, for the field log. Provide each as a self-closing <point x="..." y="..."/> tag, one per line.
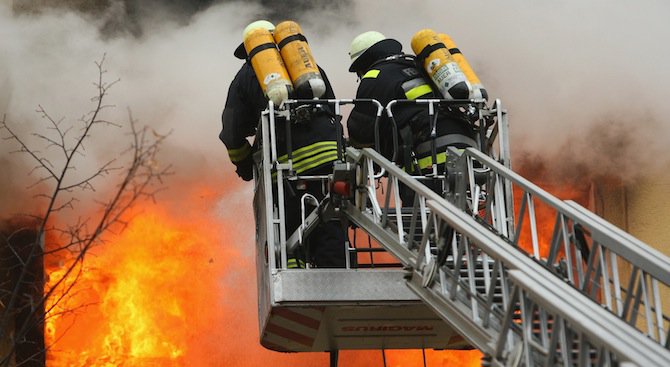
<point x="177" y="288"/>
<point x="545" y="215"/>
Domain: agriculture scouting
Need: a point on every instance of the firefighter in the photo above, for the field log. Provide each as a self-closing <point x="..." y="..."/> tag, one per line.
<point x="387" y="74"/>
<point x="241" y="114"/>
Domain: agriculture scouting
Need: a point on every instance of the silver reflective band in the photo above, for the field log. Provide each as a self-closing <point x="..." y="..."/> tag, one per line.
<point x="449" y="139"/>
<point x="412" y="83"/>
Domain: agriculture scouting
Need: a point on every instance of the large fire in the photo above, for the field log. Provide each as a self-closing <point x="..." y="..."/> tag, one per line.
<point x="177" y="288"/>
<point x="545" y="216"/>
<point x="144" y="295"/>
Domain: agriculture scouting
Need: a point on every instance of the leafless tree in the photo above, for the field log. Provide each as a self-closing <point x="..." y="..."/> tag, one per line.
<point x="60" y="150"/>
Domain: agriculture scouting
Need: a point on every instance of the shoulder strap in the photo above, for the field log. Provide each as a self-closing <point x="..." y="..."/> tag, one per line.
<point x="403" y="57"/>
<point x="407" y="148"/>
<point x="428" y="50"/>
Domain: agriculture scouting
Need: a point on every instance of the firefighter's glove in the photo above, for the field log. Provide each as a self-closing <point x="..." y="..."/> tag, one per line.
<point x="245" y="168"/>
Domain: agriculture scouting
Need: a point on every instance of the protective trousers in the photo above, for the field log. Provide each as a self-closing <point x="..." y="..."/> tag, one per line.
<point x="325" y="245"/>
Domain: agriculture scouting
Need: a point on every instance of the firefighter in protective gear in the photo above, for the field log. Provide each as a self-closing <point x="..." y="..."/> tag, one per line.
<point x="387" y="74"/>
<point x="314" y="144"/>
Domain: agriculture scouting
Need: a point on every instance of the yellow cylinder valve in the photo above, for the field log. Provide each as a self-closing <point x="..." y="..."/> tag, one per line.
<point x="268" y="65"/>
<point x="297" y="56"/>
<point x="441" y="67"/>
<point x="478" y="90"/>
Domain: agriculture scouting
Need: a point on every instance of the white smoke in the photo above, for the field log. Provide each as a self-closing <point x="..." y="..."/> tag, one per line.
<point x="564" y="70"/>
<point x="174" y="78"/>
<point x="583" y="81"/>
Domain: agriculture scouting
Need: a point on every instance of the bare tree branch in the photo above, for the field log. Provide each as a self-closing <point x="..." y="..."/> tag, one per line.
<point x="136" y="182"/>
<point x="24" y="149"/>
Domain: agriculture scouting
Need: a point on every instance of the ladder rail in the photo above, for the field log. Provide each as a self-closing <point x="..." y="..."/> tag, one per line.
<point x="494" y="327"/>
<point x="589" y="326"/>
<point x="593" y="255"/>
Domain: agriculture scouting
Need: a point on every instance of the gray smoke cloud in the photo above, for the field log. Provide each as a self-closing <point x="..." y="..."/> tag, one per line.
<point x="581" y="80"/>
<point x="584" y="83"/>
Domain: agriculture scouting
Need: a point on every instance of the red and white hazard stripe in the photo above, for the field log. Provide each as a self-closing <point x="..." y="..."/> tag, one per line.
<point x="292" y="329"/>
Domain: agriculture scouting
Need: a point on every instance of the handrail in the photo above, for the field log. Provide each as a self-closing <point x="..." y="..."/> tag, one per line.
<point x="499" y="316"/>
<point x="608" y="265"/>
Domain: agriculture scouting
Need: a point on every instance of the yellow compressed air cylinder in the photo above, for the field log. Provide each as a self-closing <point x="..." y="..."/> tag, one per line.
<point x="441" y="67"/>
<point x="268" y="65"/>
<point x="478" y="90"/>
<point x="297" y="56"/>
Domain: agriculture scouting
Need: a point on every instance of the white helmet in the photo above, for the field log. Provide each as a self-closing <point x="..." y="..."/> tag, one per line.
<point x="362" y="42"/>
<point x="259" y="24"/>
<point x="240" y="52"/>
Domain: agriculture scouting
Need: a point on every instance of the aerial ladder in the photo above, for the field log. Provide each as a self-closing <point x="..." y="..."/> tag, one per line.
<point x="471" y="270"/>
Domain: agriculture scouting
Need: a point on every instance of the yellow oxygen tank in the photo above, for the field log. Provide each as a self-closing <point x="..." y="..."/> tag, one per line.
<point x="297" y="56"/>
<point x="478" y="90"/>
<point x="268" y="65"/>
<point x="441" y="67"/>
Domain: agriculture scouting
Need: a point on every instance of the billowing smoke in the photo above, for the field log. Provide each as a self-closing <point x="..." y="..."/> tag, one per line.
<point x="584" y="82"/>
<point x="571" y="75"/>
<point x="173" y="63"/>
